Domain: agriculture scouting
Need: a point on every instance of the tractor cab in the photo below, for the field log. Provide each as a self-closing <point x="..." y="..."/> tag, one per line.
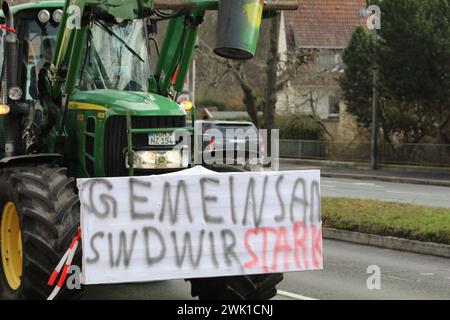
<point x="116" y="57"/>
<point x="116" y="54"/>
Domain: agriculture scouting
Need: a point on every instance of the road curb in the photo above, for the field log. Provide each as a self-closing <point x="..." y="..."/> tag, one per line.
<point x="438" y="183"/>
<point x="366" y="165"/>
<point x="427" y="248"/>
<point x="363" y="176"/>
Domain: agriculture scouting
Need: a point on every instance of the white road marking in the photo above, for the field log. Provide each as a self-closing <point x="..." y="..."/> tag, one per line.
<point x="409" y="193"/>
<point x="294" y="295"/>
<point x="427" y="274"/>
<point x="369" y="184"/>
<point x="399" y="278"/>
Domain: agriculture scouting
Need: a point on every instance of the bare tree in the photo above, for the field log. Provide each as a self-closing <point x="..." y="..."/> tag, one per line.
<point x="236" y="70"/>
<point x="310" y="100"/>
<point x="279" y="72"/>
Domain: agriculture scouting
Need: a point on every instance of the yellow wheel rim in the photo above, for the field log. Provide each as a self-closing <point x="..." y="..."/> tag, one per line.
<point x="11" y="245"/>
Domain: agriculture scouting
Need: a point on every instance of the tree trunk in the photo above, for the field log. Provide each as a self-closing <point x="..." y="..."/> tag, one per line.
<point x="272" y="83"/>
<point x="444" y="120"/>
<point x="250" y="102"/>
<point x="272" y="70"/>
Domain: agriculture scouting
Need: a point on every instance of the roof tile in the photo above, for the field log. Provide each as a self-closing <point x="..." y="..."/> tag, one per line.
<point x="324" y="23"/>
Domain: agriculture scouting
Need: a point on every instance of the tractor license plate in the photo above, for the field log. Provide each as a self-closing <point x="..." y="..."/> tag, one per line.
<point x="161" y="138"/>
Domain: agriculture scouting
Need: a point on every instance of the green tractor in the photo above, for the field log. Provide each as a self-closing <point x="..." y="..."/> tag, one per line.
<point x="82" y="96"/>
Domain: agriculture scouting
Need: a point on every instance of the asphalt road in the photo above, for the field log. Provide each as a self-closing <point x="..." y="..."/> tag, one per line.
<point x="403" y="276"/>
<point x="384" y="191"/>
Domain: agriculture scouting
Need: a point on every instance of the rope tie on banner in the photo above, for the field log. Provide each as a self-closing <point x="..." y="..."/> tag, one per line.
<point x="65" y="262"/>
<point x="8" y="29"/>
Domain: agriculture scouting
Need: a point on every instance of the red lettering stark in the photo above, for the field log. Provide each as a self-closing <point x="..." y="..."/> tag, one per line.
<point x="317" y="245"/>
<point x="283" y="249"/>
<point x="282" y="246"/>
<point x="300" y="238"/>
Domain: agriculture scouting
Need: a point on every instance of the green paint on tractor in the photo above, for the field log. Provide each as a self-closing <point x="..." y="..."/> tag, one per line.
<point x="84" y="99"/>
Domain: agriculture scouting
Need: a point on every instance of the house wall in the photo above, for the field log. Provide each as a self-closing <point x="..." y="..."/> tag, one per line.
<point x="345" y="129"/>
<point x="302" y="98"/>
<point x="342" y="125"/>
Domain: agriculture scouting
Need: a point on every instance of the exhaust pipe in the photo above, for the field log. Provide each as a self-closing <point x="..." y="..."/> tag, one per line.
<point x="10" y="80"/>
<point x="11" y="47"/>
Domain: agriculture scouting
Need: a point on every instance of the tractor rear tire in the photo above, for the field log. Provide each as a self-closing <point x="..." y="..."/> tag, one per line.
<point x="45" y="202"/>
<point x="259" y="287"/>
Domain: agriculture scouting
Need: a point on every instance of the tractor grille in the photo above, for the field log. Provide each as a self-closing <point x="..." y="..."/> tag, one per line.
<point x="116" y="138"/>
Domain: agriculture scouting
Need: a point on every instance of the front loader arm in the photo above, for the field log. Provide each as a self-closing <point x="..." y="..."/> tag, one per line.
<point x="177" y="49"/>
<point x="213" y="4"/>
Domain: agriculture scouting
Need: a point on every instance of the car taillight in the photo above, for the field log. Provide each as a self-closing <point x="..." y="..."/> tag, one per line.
<point x="262" y="145"/>
<point x="211" y="145"/>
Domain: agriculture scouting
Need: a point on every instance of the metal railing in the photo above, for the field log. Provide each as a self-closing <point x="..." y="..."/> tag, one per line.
<point x="406" y="154"/>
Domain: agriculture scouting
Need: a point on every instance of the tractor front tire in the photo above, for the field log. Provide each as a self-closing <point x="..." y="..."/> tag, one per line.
<point x="39" y="217"/>
<point x="257" y="287"/>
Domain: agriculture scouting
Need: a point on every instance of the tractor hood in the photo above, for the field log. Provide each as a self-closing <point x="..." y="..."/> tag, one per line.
<point x="122" y="102"/>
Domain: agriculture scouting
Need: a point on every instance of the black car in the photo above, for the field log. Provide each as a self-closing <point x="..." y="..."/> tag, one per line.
<point x="234" y="142"/>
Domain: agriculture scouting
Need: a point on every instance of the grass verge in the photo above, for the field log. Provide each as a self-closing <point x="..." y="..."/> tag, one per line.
<point x="401" y="220"/>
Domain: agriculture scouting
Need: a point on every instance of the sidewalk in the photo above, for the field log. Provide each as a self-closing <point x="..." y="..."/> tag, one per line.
<point x="434" y="176"/>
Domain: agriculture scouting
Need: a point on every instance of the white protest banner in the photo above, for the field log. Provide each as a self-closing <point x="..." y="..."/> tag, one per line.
<point x="198" y="223"/>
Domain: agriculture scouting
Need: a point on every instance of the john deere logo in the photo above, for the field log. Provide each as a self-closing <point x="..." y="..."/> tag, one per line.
<point x="162" y="160"/>
<point x="254" y="10"/>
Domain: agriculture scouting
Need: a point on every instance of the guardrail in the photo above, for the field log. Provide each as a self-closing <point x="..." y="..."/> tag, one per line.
<point x="406" y="154"/>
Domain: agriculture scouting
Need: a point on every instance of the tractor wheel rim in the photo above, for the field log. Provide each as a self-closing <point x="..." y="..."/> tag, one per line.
<point x="11" y="245"/>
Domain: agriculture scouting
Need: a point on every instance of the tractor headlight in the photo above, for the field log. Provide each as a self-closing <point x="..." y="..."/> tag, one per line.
<point x="144" y="159"/>
<point x="15" y="93"/>
<point x="158" y="160"/>
<point x="173" y="159"/>
<point x="57" y="15"/>
<point x="4" y="109"/>
<point x="186" y="105"/>
<point x="43" y="16"/>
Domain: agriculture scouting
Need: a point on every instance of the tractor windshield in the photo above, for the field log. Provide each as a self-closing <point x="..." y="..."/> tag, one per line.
<point x="116" y="57"/>
<point x="38" y="45"/>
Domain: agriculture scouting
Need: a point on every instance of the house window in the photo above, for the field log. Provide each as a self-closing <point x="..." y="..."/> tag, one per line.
<point x="325" y="61"/>
<point x="333" y="107"/>
<point x="330" y="60"/>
